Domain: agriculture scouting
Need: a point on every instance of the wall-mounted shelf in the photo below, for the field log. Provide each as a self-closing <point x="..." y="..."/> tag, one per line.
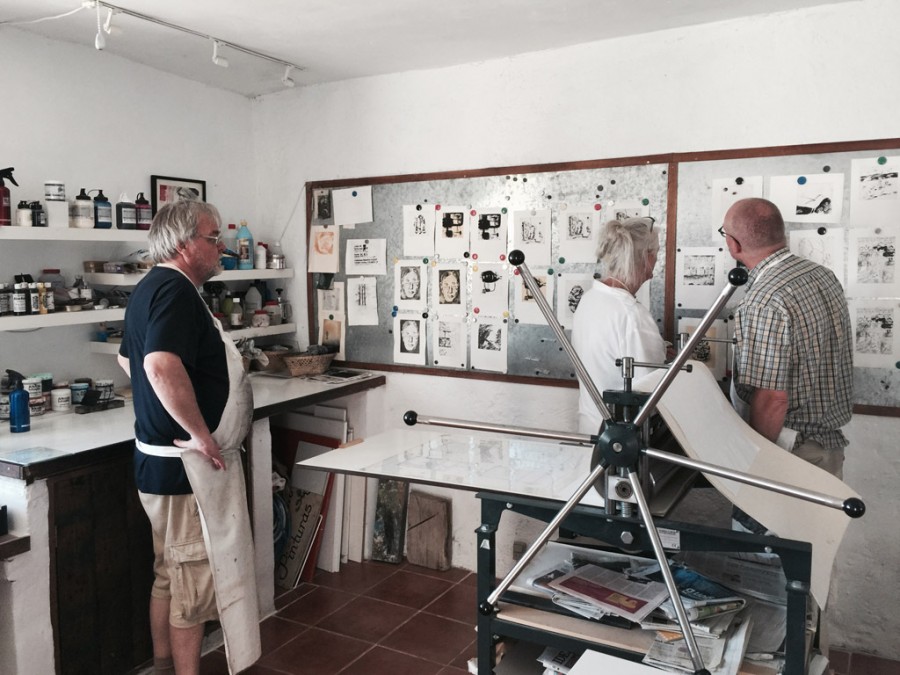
<point x="103" y="279"/>
<point x="112" y="348"/>
<point x="33" y="321"/>
<point x="14" y="233"/>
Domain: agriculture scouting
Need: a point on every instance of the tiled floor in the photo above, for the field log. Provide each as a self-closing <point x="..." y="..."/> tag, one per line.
<point x="369" y="619"/>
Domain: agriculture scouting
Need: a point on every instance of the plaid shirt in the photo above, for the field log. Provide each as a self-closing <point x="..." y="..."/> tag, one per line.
<point x="793" y="335"/>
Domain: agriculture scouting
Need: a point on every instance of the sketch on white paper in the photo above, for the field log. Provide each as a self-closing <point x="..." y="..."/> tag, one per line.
<point x="409" y="339"/>
<point x="352" y="205"/>
<point x="626" y="208"/>
<point x="568" y="294"/>
<point x="488" y="345"/>
<point x="809" y="198"/>
<point x="531" y="235"/>
<point x="871" y="269"/>
<point x="323" y="213"/>
<point x="490" y="289"/>
<point x="449" y="343"/>
<point x="526" y="307"/>
<point x="875" y="342"/>
<point x="331" y="300"/>
<point x="449" y="289"/>
<point x="362" y="301"/>
<point x="451" y="239"/>
<point x="488" y="230"/>
<point x="365" y="256"/>
<point x="578" y="226"/>
<point x="418" y="230"/>
<point x="410" y="285"/>
<point x="826" y="249"/>
<point x="714" y="355"/>
<point x="874" y="191"/>
<point x="332" y="332"/>
<point x="699" y="276"/>
<point x="324" y="247"/>
<point x="725" y="192"/>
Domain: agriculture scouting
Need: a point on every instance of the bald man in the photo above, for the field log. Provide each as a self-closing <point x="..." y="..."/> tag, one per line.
<point x="793" y="373"/>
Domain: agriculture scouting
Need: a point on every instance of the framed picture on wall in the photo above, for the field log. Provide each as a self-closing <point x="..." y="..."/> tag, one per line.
<point x="167" y="190"/>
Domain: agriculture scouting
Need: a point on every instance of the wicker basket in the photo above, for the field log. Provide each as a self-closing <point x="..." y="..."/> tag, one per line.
<point x="307" y="364"/>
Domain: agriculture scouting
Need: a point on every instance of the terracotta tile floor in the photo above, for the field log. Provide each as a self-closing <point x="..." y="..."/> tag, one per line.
<point x="369" y="619"/>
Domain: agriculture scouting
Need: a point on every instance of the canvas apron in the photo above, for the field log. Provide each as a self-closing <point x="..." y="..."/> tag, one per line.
<point x="222" y="500"/>
<point x="786" y="437"/>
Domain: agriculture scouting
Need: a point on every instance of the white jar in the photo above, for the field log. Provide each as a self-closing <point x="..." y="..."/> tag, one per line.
<point x="61" y="400"/>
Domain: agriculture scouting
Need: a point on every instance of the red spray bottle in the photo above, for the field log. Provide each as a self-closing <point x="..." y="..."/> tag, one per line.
<point x="5" y="213"/>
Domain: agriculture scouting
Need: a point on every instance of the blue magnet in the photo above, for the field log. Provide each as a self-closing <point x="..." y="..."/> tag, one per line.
<point x="801" y="180"/>
<point x="353" y="193"/>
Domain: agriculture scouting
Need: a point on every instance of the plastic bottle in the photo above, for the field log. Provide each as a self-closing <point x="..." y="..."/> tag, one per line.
<point x="253" y="301"/>
<point x="126" y="213"/>
<point x="38" y="215"/>
<point x="5" y="208"/>
<point x="19" y="414"/>
<point x="229" y="238"/>
<point x="273" y="309"/>
<point x="85" y="295"/>
<point x="23" y="214"/>
<point x="34" y="298"/>
<point x="144" y="212"/>
<point x="102" y="212"/>
<point x="260" y="256"/>
<point x="5" y="300"/>
<point x="227" y="306"/>
<point x="244" y="247"/>
<point x="81" y="211"/>
<point x="237" y="314"/>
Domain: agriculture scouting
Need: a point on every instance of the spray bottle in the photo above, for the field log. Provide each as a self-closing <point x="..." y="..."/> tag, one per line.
<point x="5" y="213"/>
<point x="19" y="414"/>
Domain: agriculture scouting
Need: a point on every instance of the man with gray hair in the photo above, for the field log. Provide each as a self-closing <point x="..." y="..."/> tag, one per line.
<point x="192" y="405"/>
<point x="793" y="373"/>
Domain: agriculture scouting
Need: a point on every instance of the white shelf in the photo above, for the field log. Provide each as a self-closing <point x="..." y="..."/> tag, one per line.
<point x="281" y="329"/>
<point x="70" y="234"/>
<point x="112" y="348"/>
<point x="104" y="279"/>
<point x="32" y="321"/>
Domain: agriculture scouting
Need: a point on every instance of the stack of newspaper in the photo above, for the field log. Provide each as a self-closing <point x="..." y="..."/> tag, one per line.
<point x="597" y="584"/>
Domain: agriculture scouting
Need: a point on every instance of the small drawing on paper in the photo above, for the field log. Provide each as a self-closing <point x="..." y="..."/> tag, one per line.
<point x="878" y="185"/>
<point x="875" y="260"/>
<point x="699" y="270"/>
<point x="874" y="330"/>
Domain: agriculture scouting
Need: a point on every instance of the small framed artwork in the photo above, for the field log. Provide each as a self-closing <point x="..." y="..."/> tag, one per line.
<point x="167" y="190"/>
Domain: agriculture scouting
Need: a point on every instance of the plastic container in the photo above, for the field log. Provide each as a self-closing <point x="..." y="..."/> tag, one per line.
<point x="38" y="215"/>
<point x="78" y="389"/>
<point x="61" y="400"/>
<point x="102" y="212"/>
<point x="126" y="213"/>
<point x="81" y="211"/>
<point x="260" y="257"/>
<point x="253" y="301"/>
<point x="229" y="237"/>
<point x="23" y="214"/>
<point x="144" y="212"/>
<point x="244" y="247"/>
<point x="260" y="319"/>
<point x="273" y="309"/>
<point x="54" y="191"/>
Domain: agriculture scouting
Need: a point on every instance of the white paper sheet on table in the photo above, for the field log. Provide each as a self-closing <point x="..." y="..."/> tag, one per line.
<point x="713" y="432"/>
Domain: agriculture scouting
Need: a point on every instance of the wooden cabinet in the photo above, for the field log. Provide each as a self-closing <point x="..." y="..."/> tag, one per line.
<point x="101" y="559"/>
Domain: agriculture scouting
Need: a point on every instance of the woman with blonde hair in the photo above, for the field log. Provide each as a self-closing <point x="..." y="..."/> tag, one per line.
<point x="609" y="322"/>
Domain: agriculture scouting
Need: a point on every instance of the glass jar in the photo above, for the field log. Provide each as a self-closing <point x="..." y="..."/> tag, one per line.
<point x="260" y="319"/>
<point x="273" y="309"/>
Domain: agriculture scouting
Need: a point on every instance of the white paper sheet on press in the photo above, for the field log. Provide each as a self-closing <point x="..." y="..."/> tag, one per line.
<point x="709" y="429"/>
<point x="594" y="662"/>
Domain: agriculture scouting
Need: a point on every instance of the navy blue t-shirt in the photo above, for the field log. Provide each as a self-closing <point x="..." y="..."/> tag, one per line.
<point x="166" y="314"/>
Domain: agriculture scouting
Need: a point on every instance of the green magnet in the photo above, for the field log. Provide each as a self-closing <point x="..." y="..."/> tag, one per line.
<point x="882" y="160"/>
<point x="645" y="201"/>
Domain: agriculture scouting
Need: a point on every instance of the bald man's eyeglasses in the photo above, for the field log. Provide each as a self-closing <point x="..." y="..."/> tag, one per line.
<point x="727" y="234"/>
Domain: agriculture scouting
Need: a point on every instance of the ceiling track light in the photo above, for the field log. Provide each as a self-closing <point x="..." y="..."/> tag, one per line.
<point x="286" y="79"/>
<point x="99" y="41"/>
<point x="220" y="61"/>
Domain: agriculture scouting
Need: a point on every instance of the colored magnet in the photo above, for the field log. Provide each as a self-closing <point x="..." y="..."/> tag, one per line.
<point x="425" y="260"/>
<point x="516" y="271"/>
<point x="505" y="315"/>
<point x="503" y="210"/>
<point x="550" y="271"/>
<point x="801" y="180"/>
<point x="437" y="207"/>
<point x="353" y="193"/>
<point x="474" y="256"/>
<point x="597" y="207"/>
<point x="502" y="256"/>
<point x="476" y="310"/>
<point x="331" y="317"/>
<point x="395" y="308"/>
<point x="882" y="160"/>
<point x="473" y="212"/>
<point x="645" y="201"/>
<point x="562" y="261"/>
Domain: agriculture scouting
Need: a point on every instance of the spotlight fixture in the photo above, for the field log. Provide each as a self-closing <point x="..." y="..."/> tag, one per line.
<point x="220" y="61"/>
<point x="99" y="41"/>
<point x="286" y="79"/>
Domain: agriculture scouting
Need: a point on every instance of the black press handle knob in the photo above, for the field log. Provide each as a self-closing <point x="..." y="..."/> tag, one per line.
<point x="738" y="276"/>
<point x="410" y="417"/>
<point x="854" y="507"/>
<point x="516" y="257"/>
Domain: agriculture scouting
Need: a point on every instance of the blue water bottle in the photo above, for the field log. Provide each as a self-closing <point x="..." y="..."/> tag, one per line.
<point x="245" y="247"/>
<point x="19" y="414"/>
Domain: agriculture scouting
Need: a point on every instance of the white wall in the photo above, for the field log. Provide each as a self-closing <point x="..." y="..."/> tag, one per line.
<point x="817" y="75"/>
<point x="94" y="120"/>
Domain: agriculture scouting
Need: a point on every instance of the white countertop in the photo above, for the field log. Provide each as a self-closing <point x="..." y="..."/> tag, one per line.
<point x="55" y="434"/>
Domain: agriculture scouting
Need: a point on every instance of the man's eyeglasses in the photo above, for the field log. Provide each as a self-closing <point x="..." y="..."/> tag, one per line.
<point x="727" y="234"/>
<point x="215" y="239"/>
